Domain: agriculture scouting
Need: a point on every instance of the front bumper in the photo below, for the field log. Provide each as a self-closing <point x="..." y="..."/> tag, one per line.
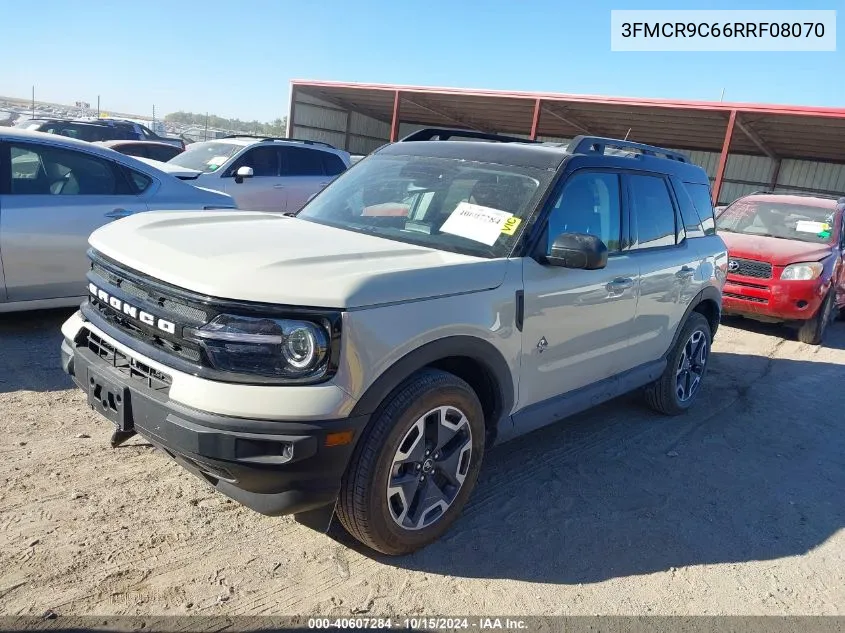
<point x="772" y="299"/>
<point x="273" y="467"/>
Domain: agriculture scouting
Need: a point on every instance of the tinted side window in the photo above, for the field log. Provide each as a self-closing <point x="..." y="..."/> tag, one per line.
<point x="162" y="154"/>
<point x="264" y="161"/>
<point x="652" y="210"/>
<point x="38" y="169"/>
<point x="140" y="182"/>
<point x="299" y="161"/>
<point x="589" y="203"/>
<point x="332" y="165"/>
<point x="703" y="201"/>
<point x="689" y="215"/>
<point x="133" y="150"/>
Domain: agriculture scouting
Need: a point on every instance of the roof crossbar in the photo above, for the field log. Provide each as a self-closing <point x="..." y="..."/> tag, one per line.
<point x="599" y="145"/>
<point x="444" y="134"/>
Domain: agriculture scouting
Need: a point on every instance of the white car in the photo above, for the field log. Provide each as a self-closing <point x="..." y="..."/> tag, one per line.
<point x="264" y="174"/>
<point x="54" y="192"/>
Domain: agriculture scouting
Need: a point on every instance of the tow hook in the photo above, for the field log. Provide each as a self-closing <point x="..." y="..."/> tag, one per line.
<point x="119" y="437"/>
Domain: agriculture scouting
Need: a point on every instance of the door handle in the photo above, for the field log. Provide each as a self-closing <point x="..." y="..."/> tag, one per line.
<point x="620" y="284"/>
<point x="685" y="273"/>
<point x="116" y="214"/>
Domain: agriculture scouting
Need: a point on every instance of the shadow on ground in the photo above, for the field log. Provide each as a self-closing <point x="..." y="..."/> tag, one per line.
<point x="755" y="472"/>
<point x="29" y="351"/>
<point x="832" y="339"/>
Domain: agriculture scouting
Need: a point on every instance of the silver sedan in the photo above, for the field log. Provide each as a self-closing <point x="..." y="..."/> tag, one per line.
<point x="54" y="192"/>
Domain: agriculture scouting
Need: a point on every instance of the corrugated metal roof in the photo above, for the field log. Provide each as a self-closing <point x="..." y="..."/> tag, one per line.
<point x="798" y="132"/>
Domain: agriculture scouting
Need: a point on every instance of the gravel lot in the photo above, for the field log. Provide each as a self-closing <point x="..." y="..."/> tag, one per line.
<point x="735" y="508"/>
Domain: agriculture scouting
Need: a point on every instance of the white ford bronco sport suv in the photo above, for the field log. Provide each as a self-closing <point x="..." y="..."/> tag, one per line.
<point x="449" y="292"/>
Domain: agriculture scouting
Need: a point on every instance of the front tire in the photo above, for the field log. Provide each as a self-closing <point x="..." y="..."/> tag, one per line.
<point x="675" y="391"/>
<point x="416" y="465"/>
<point x="812" y="330"/>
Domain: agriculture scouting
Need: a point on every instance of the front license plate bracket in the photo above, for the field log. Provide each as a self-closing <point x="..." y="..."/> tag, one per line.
<point x="111" y="400"/>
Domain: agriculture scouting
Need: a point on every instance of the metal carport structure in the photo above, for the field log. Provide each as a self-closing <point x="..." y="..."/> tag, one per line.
<point x="743" y="146"/>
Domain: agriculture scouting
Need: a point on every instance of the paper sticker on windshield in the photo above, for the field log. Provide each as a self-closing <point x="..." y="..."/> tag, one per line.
<point x="477" y="223"/>
<point x="509" y="228"/>
<point x="217" y="161"/>
<point x="809" y="226"/>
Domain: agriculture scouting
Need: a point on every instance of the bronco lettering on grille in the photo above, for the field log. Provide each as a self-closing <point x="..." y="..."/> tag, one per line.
<point x="131" y="311"/>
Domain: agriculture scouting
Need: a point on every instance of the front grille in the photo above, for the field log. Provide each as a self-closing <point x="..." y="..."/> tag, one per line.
<point x="750" y="268"/>
<point x="733" y="295"/>
<point x="134" y="369"/>
<point x="147" y="297"/>
<point x="134" y="289"/>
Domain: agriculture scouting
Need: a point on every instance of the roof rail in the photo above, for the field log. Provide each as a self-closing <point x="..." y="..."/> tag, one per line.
<point x="444" y="134"/>
<point x="840" y="199"/>
<point x="598" y="145"/>
<point x="264" y="137"/>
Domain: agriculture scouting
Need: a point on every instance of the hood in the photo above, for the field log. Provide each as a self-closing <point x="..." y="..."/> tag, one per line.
<point x="182" y="173"/>
<point x="274" y="258"/>
<point x="776" y="251"/>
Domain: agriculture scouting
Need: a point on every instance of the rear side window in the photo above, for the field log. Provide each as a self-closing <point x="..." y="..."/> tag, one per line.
<point x="162" y="154"/>
<point x="140" y="182"/>
<point x="332" y="165"/>
<point x="133" y="150"/>
<point x="299" y="161"/>
<point x="653" y="211"/>
<point x="702" y="199"/>
<point x="689" y="214"/>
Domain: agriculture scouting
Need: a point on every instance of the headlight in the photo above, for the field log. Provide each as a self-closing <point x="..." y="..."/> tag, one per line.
<point x="802" y="272"/>
<point x="282" y="348"/>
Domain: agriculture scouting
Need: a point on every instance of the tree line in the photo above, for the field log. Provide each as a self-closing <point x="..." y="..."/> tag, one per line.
<point x="278" y="127"/>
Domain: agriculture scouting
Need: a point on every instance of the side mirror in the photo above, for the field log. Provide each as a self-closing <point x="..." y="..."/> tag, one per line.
<point x="578" y="250"/>
<point x="243" y="172"/>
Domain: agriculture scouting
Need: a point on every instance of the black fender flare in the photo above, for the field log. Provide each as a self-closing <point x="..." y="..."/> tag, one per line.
<point x="477" y="349"/>
<point x="710" y="293"/>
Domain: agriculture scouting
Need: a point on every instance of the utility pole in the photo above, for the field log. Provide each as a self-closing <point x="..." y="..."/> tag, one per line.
<point x="154" y="117"/>
<point x="98" y="106"/>
<point x="33" y="102"/>
<point x="722" y="98"/>
<point x="205" y="136"/>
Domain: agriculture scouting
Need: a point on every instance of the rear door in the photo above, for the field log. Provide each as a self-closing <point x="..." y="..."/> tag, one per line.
<point x="670" y="265"/>
<point x="55" y="198"/>
<point x="305" y="174"/>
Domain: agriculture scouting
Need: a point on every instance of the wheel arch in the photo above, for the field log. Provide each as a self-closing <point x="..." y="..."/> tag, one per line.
<point x="472" y="359"/>
<point x="708" y="303"/>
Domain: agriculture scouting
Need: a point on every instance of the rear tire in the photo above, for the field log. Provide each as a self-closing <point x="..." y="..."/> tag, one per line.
<point x="675" y="391"/>
<point x="812" y="330"/>
<point x="397" y="498"/>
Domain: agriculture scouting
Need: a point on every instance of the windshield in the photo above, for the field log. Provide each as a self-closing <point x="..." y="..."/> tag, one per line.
<point x="453" y="205"/>
<point x="205" y="157"/>
<point x="786" y="220"/>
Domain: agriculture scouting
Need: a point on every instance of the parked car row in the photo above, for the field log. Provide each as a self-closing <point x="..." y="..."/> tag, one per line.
<point x="94" y="130"/>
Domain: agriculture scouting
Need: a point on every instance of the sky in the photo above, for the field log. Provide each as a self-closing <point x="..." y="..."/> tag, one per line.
<point x="236" y="59"/>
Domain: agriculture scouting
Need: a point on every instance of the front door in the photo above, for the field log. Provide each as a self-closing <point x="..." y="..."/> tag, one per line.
<point x="577" y="322"/>
<point x="57" y="198"/>
<point x="267" y="189"/>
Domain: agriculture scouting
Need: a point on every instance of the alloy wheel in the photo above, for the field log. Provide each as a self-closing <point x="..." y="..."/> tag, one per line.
<point x="429" y="467"/>
<point x="691" y="366"/>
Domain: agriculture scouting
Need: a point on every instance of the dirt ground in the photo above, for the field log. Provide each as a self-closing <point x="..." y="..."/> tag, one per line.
<point x="736" y="508"/>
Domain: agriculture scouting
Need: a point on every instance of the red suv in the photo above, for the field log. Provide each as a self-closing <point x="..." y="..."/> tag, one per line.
<point x="785" y="260"/>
